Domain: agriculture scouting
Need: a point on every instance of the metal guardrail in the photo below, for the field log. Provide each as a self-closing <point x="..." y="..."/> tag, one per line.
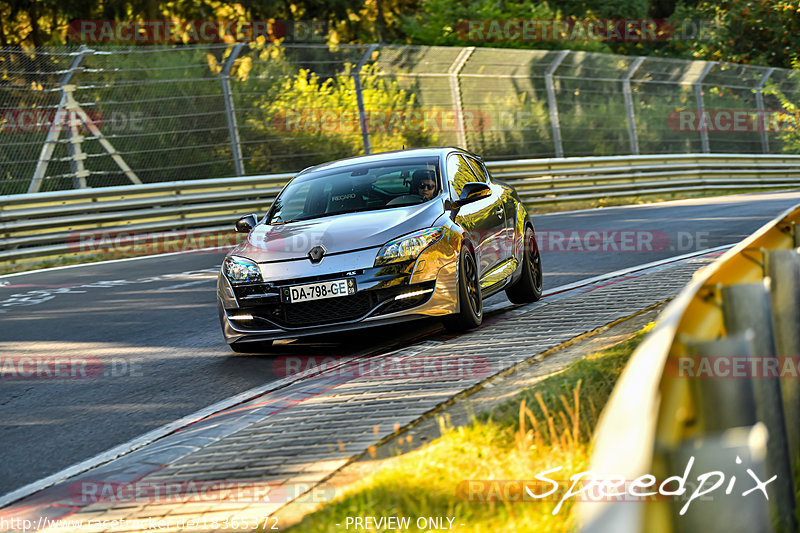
<point x="699" y="386"/>
<point x="38" y="226"/>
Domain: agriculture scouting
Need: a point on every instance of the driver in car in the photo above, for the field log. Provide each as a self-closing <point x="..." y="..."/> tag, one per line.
<point x="425" y="181"/>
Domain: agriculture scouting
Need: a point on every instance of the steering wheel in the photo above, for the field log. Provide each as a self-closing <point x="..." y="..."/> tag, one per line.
<point x="406" y="199"/>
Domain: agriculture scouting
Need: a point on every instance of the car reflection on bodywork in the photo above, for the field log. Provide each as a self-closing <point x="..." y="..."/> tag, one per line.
<point x="356" y="243"/>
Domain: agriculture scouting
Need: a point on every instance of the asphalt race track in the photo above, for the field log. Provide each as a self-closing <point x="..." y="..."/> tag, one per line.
<point x="155" y="334"/>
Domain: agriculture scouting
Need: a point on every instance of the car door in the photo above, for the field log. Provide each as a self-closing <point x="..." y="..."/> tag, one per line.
<point x="505" y="239"/>
<point x="482" y="220"/>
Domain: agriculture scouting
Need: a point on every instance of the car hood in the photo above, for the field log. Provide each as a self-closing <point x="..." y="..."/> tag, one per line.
<point x="340" y="233"/>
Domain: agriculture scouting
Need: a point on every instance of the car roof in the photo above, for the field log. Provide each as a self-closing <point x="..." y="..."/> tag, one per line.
<point x="387" y="156"/>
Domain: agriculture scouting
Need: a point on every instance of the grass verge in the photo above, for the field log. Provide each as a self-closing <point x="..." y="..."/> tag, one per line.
<point x="545" y="426"/>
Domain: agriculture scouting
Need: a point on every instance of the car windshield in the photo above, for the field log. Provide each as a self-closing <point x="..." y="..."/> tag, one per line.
<point x="358" y="187"/>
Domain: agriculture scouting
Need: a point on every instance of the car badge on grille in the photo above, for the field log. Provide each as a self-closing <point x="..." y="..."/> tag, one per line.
<point x="316" y="253"/>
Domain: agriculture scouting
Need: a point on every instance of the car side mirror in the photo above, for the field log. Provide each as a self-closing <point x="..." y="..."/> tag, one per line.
<point x="246" y="223"/>
<point x="471" y="192"/>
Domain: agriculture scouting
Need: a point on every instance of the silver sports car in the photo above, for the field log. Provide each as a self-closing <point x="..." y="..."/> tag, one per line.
<point x="374" y="240"/>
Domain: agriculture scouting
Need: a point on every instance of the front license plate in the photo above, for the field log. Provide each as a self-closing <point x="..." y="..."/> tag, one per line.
<point x="319" y="291"/>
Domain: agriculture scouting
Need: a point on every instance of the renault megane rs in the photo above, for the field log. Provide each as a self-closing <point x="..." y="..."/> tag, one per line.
<point x="375" y="240"/>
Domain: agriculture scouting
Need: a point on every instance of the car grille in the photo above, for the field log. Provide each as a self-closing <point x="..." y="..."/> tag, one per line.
<point x="327" y="311"/>
<point x="335" y="310"/>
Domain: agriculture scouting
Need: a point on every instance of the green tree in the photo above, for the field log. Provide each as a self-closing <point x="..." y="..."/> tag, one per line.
<point x="306" y="120"/>
<point x="763" y="32"/>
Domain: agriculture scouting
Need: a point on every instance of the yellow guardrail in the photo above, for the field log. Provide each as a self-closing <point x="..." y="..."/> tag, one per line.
<point x="713" y="390"/>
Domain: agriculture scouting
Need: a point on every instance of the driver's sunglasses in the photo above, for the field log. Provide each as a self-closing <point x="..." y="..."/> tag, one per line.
<point x="427" y="187"/>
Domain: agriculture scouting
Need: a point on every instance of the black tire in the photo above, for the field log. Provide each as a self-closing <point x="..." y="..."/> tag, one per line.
<point x="470" y="302"/>
<point x="251" y="347"/>
<point x="528" y="288"/>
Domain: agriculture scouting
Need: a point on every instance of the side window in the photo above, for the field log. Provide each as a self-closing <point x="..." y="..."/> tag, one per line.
<point x="479" y="169"/>
<point x="459" y="173"/>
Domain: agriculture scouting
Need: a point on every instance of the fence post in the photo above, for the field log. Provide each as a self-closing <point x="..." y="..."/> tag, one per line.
<point x="55" y="127"/>
<point x="236" y="146"/>
<point x="701" y="108"/>
<point x="362" y="113"/>
<point x="455" y="93"/>
<point x="76" y="154"/>
<point x="760" y="108"/>
<point x="626" y="92"/>
<point x="552" y="104"/>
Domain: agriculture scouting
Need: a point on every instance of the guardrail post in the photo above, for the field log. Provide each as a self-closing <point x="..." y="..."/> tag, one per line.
<point x="747" y="306"/>
<point x="55" y="127"/>
<point x="626" y="92"/>
<point x="735" y="394"/>
<point x="701" y="108"/>
<point x="236" y="146"/>
<point x="362" y="113"/>
<point x="760" y="108"/>
<point x="795" y="235"/>
<point x="552" y="104"/>
<point x="783" y="269"/>
<point x="455" y="91"/>
<point x="720" y="512"/>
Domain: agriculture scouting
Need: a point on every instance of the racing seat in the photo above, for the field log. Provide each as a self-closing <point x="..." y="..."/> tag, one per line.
<point x="344" y="198"/>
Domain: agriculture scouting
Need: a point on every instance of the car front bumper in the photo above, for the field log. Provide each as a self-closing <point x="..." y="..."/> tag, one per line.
<point x="426" y="287"/>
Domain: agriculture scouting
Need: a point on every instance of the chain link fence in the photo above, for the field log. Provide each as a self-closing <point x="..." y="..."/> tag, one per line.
<point x="81" y="117"/>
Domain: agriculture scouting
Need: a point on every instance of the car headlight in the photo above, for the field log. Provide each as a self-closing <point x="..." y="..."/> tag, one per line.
<point x="241" y="270"/>
<point x="408" y="247"/>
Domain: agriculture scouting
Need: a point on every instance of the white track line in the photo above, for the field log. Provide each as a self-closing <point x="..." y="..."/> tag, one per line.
<point x="644" y="266"/>
<point x="227" y="403"/>
<point x="667" y="203"/>
<point x="188" y="284"/>
<point x="126" y="259"/>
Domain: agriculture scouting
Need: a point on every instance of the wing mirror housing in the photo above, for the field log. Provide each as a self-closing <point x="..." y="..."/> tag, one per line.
<point x="472" y="192"/>
<point x="246" y="223"/>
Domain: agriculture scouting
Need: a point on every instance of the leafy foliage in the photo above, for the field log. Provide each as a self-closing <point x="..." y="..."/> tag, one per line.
<point x="316" y="118"/>
<point x="761" y="32"/>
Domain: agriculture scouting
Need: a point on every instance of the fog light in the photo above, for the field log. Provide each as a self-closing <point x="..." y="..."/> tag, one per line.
<point x="412" y="294"/>
<point x="241" y="317"/>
